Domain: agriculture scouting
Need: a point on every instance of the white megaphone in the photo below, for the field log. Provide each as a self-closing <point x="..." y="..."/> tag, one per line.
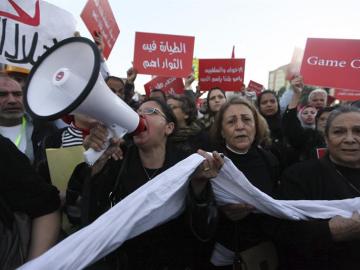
<point x="66" y="79"/>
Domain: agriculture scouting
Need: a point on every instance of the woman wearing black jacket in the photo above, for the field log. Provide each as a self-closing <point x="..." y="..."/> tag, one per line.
<point x="239" y="130"/>
<point x="170" y="245"/>
<point x="325" y="244"/>
<point x="269" y="108"/>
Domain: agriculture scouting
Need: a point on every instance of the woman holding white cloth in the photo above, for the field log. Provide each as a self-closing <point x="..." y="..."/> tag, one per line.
<point x="314" y="244"/>
<point x="326" y="244"/>
<point x="118" y="173"/>
<point x="238" y="131"/>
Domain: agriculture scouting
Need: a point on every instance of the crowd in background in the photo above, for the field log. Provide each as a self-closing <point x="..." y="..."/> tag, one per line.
<point x="292" y="147"/>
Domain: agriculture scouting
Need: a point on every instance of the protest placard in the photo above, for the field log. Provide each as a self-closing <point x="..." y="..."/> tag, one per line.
<point x="62" y="162"/>
<point x="256" y="87"/>
<point x="28" y="28"/>
<point x="98" y="17"/>
<point x="163" y="55"/>
<point x="333" y="63"/>
<point x="167" y="85"/>
<point x="347" y="95"/>
<point x="227" y="74"/>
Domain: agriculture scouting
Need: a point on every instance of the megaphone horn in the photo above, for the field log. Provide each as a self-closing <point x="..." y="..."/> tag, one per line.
<point x="66" y="79"/>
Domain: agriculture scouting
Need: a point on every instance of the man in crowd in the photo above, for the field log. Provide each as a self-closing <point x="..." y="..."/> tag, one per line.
<point x="26" y="134"/>
<point x="116" y="85"/>
<point x="318" y="98"/>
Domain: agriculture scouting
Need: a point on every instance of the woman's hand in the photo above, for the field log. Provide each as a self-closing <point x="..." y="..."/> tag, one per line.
<point x="237" y="211"/>
<point x="189" y="80"/>
<point x="297" y="84"/>
<point x="97" y="140"/>
<point x="343" y="229"/>
<point x="208" y="169"/>
<point x="131" y="74"/>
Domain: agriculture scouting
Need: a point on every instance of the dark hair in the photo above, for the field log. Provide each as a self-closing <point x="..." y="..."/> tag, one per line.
<point x="158" y="90"/>
<point x="187" y="106"/>
<point x="339" y="111"/>
<point x="115" y="79"/>
<point x="170" y="117"/>
<point x="324" y="110"/>
<point x="208" y="97"/>
<point x="258" y="101"/>
<point x="262" y="130"/>
<point x="356" y="103"/>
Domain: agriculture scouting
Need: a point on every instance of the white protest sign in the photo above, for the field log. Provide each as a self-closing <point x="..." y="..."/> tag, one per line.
<point x="29" y="27"/>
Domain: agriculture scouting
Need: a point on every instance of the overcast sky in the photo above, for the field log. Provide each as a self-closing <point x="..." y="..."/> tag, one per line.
<point x="264" y="32"/>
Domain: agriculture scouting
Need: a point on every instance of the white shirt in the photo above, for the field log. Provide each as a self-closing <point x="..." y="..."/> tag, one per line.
<point x="12" y="134"/>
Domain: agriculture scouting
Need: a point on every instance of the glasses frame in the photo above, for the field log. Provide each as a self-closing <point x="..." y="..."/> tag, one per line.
<point x="150" y="111"/>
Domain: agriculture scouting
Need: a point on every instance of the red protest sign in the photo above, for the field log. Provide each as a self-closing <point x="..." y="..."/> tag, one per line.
<point x="163" y="55"/>
<point x="293" y="69"/>
<point x="167" y="85"/>
<point x="98" y="17"/>
<point x="256" y="87"/>
<point x="320" y="152"/>
<point x="227" y="74"/>
<point x="344" y="94"/>
<point x="332" y="63"/>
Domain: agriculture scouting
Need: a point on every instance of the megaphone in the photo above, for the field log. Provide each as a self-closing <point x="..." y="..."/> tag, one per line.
<point x="66" y="79"/>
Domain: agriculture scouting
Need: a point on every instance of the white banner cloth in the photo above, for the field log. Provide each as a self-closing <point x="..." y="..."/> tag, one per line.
<point x="162" y="199"/>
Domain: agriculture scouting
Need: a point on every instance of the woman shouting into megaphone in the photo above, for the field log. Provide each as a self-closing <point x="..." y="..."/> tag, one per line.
<point x="119" y="172"/>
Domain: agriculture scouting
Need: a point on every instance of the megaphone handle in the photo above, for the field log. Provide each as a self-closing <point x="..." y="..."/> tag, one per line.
<point x="91" y="156"/>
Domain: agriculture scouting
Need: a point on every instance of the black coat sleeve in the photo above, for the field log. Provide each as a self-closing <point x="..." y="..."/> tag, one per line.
<point x="293" y="130"/>
<point x="21" y="187"/>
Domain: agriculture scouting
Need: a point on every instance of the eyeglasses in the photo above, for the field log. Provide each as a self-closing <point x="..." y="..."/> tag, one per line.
<point x="173" y="107"/>
<point x="150" y="111"/>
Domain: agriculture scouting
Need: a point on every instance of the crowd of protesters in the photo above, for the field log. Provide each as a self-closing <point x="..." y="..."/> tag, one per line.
<point x="276" y="142"/>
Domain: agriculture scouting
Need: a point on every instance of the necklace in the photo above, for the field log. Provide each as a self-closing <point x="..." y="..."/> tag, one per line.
<point x="150" y="173"/>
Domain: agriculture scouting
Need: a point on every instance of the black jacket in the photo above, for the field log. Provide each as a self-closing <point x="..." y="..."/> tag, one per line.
<point x="21" y="187"/>
<point x="308" y="244"/>
<point x="168" y="246"/>
<point x="304" y="140"/>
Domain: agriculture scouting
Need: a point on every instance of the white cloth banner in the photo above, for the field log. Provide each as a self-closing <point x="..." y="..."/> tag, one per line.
<point x="162" y="199"/>
<point x="29" y="27"/>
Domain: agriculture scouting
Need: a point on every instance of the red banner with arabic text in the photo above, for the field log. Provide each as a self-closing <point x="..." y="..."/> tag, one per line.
<point x="98" y="17"/>
<point x="344" y="94"/>
<point x="227" y="74"/>
<point x="163" y="55"/>
<point x="167" y="85"/>
<point x="256" y="87"/>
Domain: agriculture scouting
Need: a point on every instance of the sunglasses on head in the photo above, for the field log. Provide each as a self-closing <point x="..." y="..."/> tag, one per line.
<point x="150" y="111"/>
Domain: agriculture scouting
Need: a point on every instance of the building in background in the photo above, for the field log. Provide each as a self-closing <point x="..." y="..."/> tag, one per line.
<point x="277" y="79"/>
